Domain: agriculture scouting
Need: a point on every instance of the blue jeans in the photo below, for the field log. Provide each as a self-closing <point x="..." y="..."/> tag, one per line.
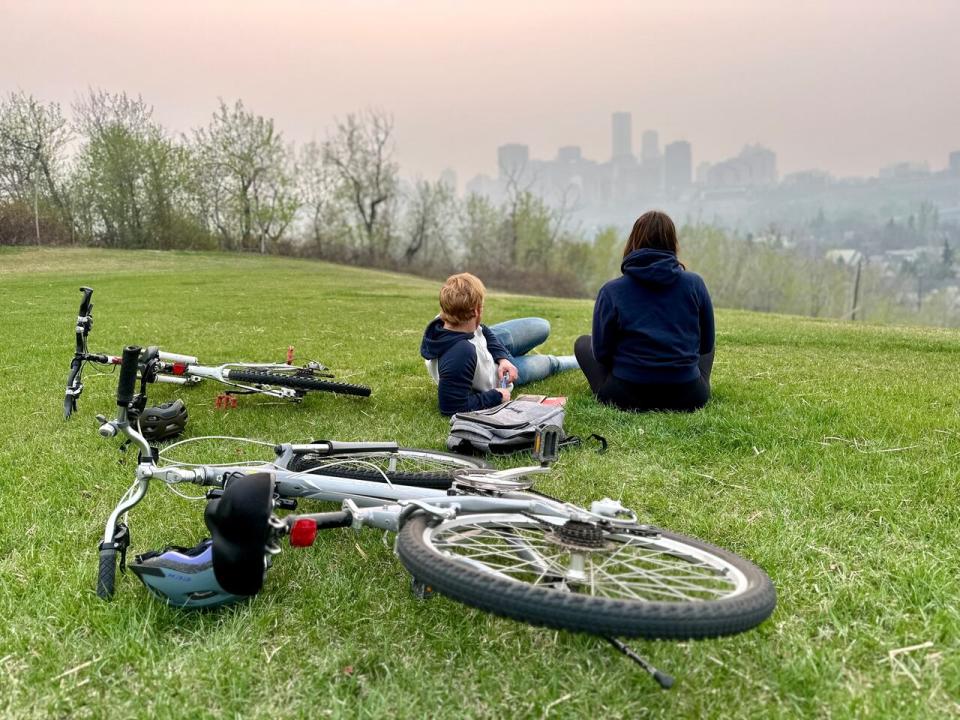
<point x="520" y="337"/>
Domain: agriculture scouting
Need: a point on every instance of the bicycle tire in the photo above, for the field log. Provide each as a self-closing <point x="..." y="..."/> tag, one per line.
<point x="439" y="479"/>
<point x="297" y="382"/>
<point x="552" y="601"/>
<point x="107" y="573"/>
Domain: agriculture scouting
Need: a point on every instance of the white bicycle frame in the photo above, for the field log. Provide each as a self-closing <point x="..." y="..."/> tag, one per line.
<point x="188" y="370"/>
<point x="370" y="503"/>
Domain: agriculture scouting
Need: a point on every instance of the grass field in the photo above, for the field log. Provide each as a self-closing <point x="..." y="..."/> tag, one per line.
<point x="828" y="455"/>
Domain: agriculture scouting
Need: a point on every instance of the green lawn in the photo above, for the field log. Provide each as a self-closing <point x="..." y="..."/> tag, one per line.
<point x="828" y="455"/>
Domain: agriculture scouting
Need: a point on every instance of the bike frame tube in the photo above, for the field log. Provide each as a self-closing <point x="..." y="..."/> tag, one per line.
<point x="144" y="471"/>
<point x="385" y="500"/>
<point x="221" y="373"/>
<point x="203" y="371"/>
<point x="172" y="380"/>
<point x="176" y="358"/>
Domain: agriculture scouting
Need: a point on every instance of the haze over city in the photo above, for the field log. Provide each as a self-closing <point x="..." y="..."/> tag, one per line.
<point x="847" y="88"/>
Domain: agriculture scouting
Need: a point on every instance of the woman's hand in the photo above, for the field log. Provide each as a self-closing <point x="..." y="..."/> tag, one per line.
<point x="505" y="367"/>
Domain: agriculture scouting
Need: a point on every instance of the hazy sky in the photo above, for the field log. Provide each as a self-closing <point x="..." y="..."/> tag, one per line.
<point x="847" y="85"/>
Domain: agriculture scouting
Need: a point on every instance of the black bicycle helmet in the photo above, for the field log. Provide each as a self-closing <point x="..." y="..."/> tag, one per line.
<point x="162" y="422"/>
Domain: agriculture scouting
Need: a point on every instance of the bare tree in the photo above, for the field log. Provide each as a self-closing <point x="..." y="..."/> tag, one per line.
<point x="33" y="137"/>
<point x="245" y="172"/>
<point x="318" y="186"/>
<point x="360" y="152"/>
<point x="275" y="202"/>
<point x="518" y="183"/>
<point x="430" y="222"/>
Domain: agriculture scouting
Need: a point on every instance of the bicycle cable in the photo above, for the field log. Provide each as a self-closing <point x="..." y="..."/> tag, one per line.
<point x="345" y="461"/>
<point x="178" y="463"/>
<point x="253" y="463"/>
<point x="161" y="455"/>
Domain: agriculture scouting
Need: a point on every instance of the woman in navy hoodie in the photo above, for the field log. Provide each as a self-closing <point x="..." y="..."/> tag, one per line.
<point x="653" y="333"/>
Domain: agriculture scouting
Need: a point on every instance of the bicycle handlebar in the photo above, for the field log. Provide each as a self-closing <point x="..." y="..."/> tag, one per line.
<point x="84" y="319"/>
<point x="85" y="304"/>
<point x="128" y="375"/>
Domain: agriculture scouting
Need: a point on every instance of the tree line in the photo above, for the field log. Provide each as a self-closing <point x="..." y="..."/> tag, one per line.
<point x="107" y="173"/>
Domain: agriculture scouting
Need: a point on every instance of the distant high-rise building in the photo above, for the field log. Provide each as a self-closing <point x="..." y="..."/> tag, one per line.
<point x="755" y="165"/>
<point x="622" y="127"/>
<point x="954" y="163"/>
<point x="569" y="153"/>
<point x="762" y="164"/>
<point x="703" y="173"/>
<point x="512" y="159"/>
<point x="677" y="165"/>
<point x="650" y="149"/>
<point x="904" y="170"/>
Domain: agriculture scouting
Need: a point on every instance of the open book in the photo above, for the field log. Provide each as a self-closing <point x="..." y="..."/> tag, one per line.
<point x="542" y="399"/>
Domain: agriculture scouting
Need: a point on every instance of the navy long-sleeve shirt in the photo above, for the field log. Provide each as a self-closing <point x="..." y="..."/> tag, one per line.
<point x="464" y="366"/>
<point x="652" y="324"/>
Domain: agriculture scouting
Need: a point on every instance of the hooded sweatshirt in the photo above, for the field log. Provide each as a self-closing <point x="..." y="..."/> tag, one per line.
<point x="652" y="324"/>
<point x="464" y="366"/>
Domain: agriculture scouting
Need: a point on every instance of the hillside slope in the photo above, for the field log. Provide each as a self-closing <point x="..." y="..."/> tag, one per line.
<point x="828" y="455"/>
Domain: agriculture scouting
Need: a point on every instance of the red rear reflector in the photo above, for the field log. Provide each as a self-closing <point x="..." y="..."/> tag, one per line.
<point x="179" y="368"/>
<point x="303" y="532"/>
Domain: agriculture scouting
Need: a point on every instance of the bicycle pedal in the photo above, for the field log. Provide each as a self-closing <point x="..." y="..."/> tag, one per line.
<point x="224" y="402"/>
<point x="420" y="590"/>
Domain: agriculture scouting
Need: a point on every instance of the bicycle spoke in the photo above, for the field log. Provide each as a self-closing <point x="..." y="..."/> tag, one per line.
<point x="628" y="568"/>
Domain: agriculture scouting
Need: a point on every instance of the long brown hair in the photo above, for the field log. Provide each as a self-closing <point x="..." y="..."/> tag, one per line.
<point x="654" y="230"/>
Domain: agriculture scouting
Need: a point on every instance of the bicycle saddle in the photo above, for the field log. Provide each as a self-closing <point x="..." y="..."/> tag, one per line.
<point x="239" y="524"/>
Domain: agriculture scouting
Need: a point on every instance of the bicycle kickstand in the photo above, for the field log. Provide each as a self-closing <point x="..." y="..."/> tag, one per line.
<point x="663" y="679"/>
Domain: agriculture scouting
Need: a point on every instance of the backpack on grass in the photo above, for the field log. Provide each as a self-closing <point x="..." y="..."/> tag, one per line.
<point x="507" y="428"/>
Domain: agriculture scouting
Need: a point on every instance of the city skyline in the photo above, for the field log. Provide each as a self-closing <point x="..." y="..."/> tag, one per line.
<point x="670" y="169"/>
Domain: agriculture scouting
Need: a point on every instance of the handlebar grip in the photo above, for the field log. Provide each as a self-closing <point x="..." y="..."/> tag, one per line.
<point x="128" y="375"/>
<point x="85" y="303"/>
<point x="107" y="573"/>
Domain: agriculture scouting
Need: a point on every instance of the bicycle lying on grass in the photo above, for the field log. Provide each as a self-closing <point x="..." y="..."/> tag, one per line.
<point x="481" y="536"/>
<point x="280" y="380"/>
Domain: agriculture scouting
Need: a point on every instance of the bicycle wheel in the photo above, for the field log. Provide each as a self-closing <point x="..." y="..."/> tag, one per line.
<point x="407" y="466"/>
<point x="296" y="382"/>
<point x="582" y="577"/>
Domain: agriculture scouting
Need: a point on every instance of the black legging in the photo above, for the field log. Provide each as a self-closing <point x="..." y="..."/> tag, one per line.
<point x="626" y="395"/>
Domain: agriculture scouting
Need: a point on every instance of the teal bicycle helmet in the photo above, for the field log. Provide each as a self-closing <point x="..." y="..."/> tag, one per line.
<point x="225" y="569"/>
<point x="183" y="577"/>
